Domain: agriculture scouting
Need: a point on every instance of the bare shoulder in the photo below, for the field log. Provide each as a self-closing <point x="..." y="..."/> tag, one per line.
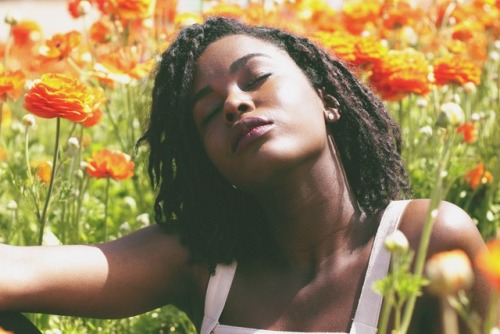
<point x="452" y="229"/>
<point x="159" y="258"/>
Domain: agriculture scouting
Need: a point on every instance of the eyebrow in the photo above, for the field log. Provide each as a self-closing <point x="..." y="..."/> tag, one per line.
<point x="233" y="68"/>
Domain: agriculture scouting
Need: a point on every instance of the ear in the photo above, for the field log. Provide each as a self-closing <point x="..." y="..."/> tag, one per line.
<point x="331" y="106"/>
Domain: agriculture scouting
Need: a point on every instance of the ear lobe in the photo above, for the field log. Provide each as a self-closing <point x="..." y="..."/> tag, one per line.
<point x="332" y="105"/>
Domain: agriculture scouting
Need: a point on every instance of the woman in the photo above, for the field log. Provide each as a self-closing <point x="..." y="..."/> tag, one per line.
<point x="278" y="175"/>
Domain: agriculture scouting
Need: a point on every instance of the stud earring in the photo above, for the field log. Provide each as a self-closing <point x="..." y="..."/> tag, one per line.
<point x="330" y="116"/>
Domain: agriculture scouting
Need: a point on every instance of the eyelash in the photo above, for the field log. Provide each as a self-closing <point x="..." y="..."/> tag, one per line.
<point x="253" y="82"/>
<point x="249" y="85"/>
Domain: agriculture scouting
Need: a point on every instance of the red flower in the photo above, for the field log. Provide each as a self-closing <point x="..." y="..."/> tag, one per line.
<point x="488" y="263"/>
<point x="469" y="131"/>
<point x="400" y="73"/>
<point x="108" y="163"/>
<point x="478" y="175"/>
<point x="454" y="69"/>
<point x="58" y="95"/>
<point x="26" y="32"/>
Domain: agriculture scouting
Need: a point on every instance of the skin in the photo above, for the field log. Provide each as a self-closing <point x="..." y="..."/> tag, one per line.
<point x="290" y="165"/>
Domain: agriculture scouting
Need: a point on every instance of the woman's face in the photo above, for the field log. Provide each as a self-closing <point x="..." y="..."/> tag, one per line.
<point x="256" y="112"/>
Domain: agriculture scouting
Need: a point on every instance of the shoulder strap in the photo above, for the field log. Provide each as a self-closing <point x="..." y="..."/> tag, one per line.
<point x="369" y="304"/>
<point x="217" y="291"/>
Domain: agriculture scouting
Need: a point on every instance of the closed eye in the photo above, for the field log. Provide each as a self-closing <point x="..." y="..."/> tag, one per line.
<point x="255" y="82"/>
<point x="211" y="114"/>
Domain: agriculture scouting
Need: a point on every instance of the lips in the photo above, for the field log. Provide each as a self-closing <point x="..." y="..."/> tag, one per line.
<point x="247" y="130"/>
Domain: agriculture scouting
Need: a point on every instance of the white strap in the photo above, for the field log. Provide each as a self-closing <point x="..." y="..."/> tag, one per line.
<point x="216" y="295"/>
<point x="370" y="302"/>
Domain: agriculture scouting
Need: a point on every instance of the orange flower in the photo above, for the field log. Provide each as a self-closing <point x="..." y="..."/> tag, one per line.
<point x="454" y="69"/>
<point x="341" y="44"/>
<point x="478" y="175"/>
<point x="58" y="95"/>
<point x="399" y="14"/>
<point x="11" y="85"/>
<point x="469" y="132"/>
<point x="133" y="9"/>
<point x="108" y="163"/>
<point x="3" y="154"/>
<point x="94" y="118"/>
<point x="187" y="19"/>
<point x="102" y="31"/>
<point x="127" y="62"/>
<point x="43" y="171"/>
<point x="465" y="30"/>
<point x="225" y="9"/>
<point x="401" y="72"/>
<point x="356" y="15"/>
<point x="26" y="32"/>
<point x="60" y="46"/>
<point x="488" y="262"/>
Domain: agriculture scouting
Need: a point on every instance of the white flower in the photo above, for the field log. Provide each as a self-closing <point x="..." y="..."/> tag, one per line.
<point x="12" y="205"/>
<point x="451" y="114"/>
<point x="396" y="242"/>
<point x="143" y="219"/>
<point x="73" y="145"/>
<point x="29" y="120"/>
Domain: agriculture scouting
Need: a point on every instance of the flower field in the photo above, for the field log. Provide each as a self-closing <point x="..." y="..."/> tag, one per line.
<point x="72" y="106"/>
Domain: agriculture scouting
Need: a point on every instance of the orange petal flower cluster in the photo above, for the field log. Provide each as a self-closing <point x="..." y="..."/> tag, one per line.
<point x="11" y="85"/>
<point x="400" y="73"/>
<point x="453" y="69"/>
<point x="131" y="9"/>
<point x="477" y="176"/>
<point x="60" y="46"/>
<point x="356" y="15"/>
<point x="469" y="132"/>
<point x="58" y="95"/>
<point x="488" y="262"/>
<point x="109" y="163"/>
<point x="355" y="50"/>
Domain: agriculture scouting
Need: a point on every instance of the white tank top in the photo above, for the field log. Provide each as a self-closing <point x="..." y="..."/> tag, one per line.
<point x="367" y="313"/>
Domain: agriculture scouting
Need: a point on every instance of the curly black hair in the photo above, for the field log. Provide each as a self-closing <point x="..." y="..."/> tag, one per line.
<point x="217" y="223"/>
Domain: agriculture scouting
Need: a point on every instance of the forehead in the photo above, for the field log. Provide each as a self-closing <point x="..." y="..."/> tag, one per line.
<point x="221" y="54"/>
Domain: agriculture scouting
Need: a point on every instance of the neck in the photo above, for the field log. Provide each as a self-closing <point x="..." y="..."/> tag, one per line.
<point x="312" y="213"/>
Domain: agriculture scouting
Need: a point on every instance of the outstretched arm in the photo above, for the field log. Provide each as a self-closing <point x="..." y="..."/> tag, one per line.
<point x="128" y="276"/>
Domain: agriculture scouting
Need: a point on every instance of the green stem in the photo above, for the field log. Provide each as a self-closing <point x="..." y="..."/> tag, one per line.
<point x="1" y="118"/>
<point x="108" y="182"/>
<point x="26" y="154"/>
<point x="51" y="183"/>
<point x="435" y="200"/>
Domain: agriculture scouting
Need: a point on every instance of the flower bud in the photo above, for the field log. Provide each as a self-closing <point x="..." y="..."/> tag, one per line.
<point x="451" y="115"/>
<point x="12" y="205"/>
<point x="422" y="103"/>
<point x="84" y="7"/>
<point x="11" y="19"/>
<point x="73" y="145"/>
<point x="469" y="87"/>
<point x="426" y="130"/>
<point x="143" y="219"/>
<point x="396" y="242"/>
<point x="449" y="272"/>
<point x="29" y="120"/>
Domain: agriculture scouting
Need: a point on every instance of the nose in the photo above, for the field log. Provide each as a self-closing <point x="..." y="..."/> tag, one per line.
<point x="236" y="104"/>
